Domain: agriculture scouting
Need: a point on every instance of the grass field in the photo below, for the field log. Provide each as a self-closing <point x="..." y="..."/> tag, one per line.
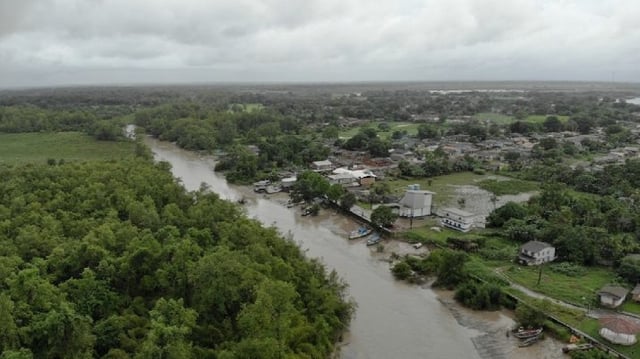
<point x="505" y="120"/>
<point x="410" y="127"/>
<point x="560" y="286"/>
<point x="70" y="146"/>
<point x="443" y="186"/>
<point x="510" y="186"/>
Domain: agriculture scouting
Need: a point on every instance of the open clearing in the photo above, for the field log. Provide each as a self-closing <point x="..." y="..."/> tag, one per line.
<point x="70" y="146"/>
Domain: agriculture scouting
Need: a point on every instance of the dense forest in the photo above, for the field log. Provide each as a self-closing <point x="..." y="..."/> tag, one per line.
<point x="117" y="260"/>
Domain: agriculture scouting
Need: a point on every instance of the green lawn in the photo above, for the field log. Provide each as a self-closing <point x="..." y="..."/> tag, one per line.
<point x="70" y="146"/>
<point x="494" y="117"/>
<point x="501" y="119"/>
<point x="560" y="286"/>
<point x="631" y="307"/>
<point x="510" y="186"/>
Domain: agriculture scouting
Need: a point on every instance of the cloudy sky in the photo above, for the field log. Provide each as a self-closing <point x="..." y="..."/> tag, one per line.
<point x="56" y="42"/>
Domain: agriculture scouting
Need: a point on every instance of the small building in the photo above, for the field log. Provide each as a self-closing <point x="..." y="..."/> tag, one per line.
<point x="363" y="177"/>
<point x="535" y="253"/>
<point x="457" y="219"/>
<point x="612" y="296"/>
<point x="261" y="186"/>
<point x="322" y="166"/>
<point x="619" y="330"/>
<point x="344" y="179"/>
<point x="288" y="182"/>
<point x="415" y="203"/>
<point x="635" y="293"/>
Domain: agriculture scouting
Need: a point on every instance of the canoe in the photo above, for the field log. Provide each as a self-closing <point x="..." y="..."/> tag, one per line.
<point x="527" y="333"/>
<point x="576" y="347"/>
<point x="529" y="341"/>
<point x="360" y="232"/>
<point x="374" y="239"/>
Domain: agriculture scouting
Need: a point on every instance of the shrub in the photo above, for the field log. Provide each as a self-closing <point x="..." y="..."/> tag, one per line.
<point x="401" y="270"/>
<point x="479" y="296"/>
<point x="568" y="269"/>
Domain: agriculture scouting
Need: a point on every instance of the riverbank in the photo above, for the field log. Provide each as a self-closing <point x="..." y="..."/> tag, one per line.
<point x="487" y="329"/>
<point x="492" y="326"/>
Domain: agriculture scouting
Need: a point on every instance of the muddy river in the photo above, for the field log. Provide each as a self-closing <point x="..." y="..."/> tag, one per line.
<point x="393" y="320"/>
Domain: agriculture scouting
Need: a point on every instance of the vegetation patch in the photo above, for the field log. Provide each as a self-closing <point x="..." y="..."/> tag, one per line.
<point x="578" y="290"/>
<point x="510" y="186"/>
<point x="67" y="146"/>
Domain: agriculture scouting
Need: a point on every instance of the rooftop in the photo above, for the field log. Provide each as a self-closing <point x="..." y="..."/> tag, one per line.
<point x="535" y="246"/>
<point x="614" y="290"/>
<point x="620" y="325"/>
<point x="458" y="212"/>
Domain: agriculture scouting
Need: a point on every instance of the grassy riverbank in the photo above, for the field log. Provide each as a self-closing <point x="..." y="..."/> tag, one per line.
<point x="69" y="146"/>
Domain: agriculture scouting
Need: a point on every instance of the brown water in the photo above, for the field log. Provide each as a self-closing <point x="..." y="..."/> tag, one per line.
<point x="393" y="320"/>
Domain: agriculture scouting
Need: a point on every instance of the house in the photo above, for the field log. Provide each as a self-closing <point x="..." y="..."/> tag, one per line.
<point x="415" y="202"/>
<point x="322" y="166"/>
<point x="612" y="296"/>
<point x="288" y="182"/>
<point x="457" y="219"/>
<point x="536" y="252"/>
<point x="363" y="177"/>
<point x="619" y="330"/>
<point x="635" y="293"/>
<point x="343" y="179"/>
<point x="261" y="186"/>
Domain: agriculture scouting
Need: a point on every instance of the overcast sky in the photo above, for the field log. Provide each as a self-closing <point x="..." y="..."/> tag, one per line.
<point x="57" y="42"/>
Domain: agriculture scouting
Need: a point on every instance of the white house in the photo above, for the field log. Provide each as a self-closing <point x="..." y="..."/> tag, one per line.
<point x="612" y="296"/>
<point x="415" y="203"/>
<point x="458" y="219"/>
<point x="536" y="252"/>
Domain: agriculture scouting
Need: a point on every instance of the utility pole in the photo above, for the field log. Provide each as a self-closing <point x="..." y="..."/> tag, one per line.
<point x="539" y="274"/>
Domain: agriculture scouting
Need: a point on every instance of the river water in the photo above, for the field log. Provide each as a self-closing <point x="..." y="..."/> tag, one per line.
<point x="393" y="319"/>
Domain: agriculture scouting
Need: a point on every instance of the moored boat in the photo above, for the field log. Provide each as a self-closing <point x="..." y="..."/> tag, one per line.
<point x="529" y="341"/>
<point x="527" y="333"/>
<point x="360" y="232"/>
<point x="576" y="347"/>
<point x="374" y="239"/>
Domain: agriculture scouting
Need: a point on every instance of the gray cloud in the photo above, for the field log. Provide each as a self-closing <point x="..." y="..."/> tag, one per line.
<point x="44" y="42"/>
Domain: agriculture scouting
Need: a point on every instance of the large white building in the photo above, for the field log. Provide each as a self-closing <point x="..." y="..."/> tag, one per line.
<point x="415" y="202"/>
<point x="458" y="219"/>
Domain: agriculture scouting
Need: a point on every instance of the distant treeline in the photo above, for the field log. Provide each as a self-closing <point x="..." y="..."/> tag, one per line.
<point x="104" y="123"/>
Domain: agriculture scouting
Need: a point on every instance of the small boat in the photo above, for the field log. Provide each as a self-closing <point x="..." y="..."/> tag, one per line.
<point x="527" y="333"/>
<point x="360" y="232"/>
<point x="576" y="347"/>
<point x="306" y="212"/>
<point x="529" y="341"/>
<point x="374" y="239"/>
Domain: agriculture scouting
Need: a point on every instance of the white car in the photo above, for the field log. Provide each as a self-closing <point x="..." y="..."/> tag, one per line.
<point x="417" y="245"/>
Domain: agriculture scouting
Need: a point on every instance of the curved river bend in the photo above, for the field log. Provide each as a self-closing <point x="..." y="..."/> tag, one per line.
<point x="392" y="320"/>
